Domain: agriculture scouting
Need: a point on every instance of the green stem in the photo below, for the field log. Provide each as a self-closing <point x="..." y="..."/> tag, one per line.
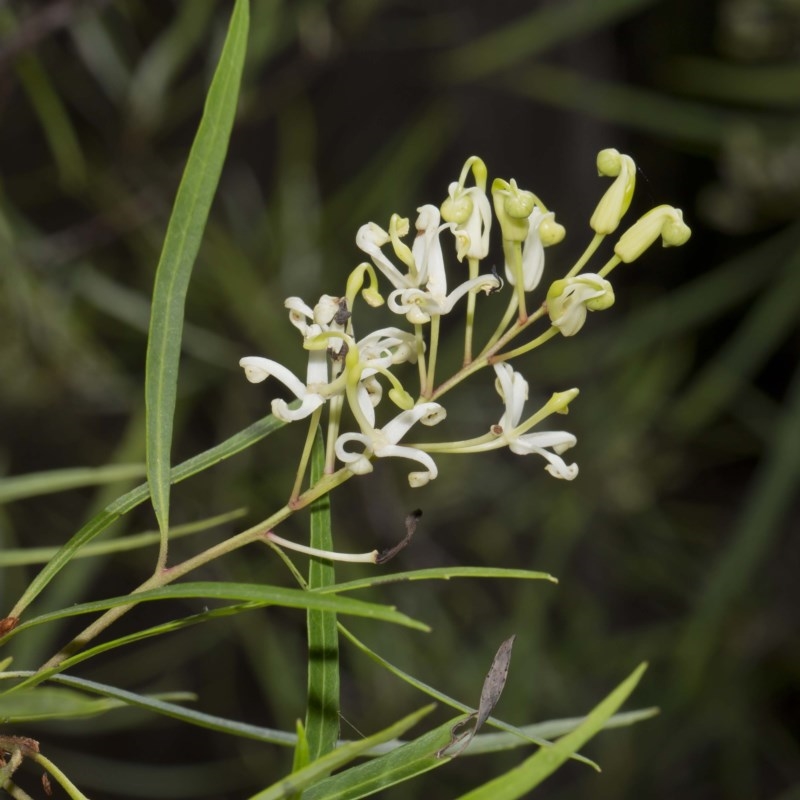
<point x="171" y="574"/>
<point x="65" y="783"/>
<point x="309" y="443"/>
<point x="488" y="355"/>
<point x="335" y="406"/>
<point x="474" y="266"/>
<point x="587" y="254"/>
<point x="434" y="352"/>
<point x="15" y="791"/>
<point x="609" y="265"/>
<point x="421" y="363"/>
<point x="525" y="348"/>
<point x="514" y="254"/>
<point x="503" y="326"/>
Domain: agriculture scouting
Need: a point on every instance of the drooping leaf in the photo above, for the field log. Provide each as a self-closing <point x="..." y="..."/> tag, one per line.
<point x="182" y="241"/>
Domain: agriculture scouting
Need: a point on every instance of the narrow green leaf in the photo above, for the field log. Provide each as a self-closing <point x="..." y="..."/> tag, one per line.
<point x="41" y="555"/>
<point x="323" y="766"/>
<point x="449" y="701"/>
<point x="535" y="732"/>
<point x="242" y="592"/>
<point x="151" y="703"/>
<point x="438" y="573"/>
<point x="301" y="758"/>
<point x="531" y="772"/>
<point x="408" y="761"/>
<point x="17" y="487"/>
<point x="122" y="505"/>
<point x="491" y="742"/>
<point x="53" y="702"/>
<point x="182" y="241"/>
<point x="322" y="712"/>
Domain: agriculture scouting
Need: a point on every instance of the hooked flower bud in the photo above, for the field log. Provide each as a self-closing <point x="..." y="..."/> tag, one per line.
<point x="615" y="202"/>
<point x="513" y="206"/>
<point x="664" y="221"/>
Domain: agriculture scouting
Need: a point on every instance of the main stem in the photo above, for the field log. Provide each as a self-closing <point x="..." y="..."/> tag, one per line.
<point x="171" y="574"/>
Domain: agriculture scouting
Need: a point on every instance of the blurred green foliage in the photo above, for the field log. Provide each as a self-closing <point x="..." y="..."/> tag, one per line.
<point x="678" y="542"/>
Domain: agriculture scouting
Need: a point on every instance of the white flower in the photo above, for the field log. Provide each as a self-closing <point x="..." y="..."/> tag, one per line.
<point x="532" y="253"/>
<point x="371" y="238"/>
<point x="569" y="300"/>
<point x="420" y="305"/>
<point x="388" y="346"/>
<point x="471" y="212"/>
<point x="426" y="267"/>
<point x="513" y="389"/>
<point x="329" y="314"/>
<point x="383" y="443"/>
<point x="257" y="369"/>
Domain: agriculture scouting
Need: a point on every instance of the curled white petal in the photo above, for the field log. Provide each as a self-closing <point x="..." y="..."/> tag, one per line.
<point x="415" y="479"/>
<point x="317" y="369"/>
<point x="370" y="238"/>
<point x="299" y="313"/>
<point x="383" y="443"/>
<point x="419" y="306"/>
<point x="558" y="441"/>
<point x="258" y="369"/>
<point x="478" y="226"/>
<point x="513" y="388"/>
<point x="325" y="310"/>
<point x="485" y="283"/>
<point x="310" y="403"/>
<point x="390" y="345"/>
<point x="365" y="401"/>
<point x="357" y="463"/>
<point x="426" y="249"/>
<point x="427" y="413"/>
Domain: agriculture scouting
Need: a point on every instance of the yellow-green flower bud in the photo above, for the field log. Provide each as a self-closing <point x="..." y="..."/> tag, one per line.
<point x="559" y="401"/>
<point x="398" y="227"/>
<point x="401" y="398"/>
<point x="457" y="208"/>
<point x="617" y="199"/>
<point x="372" y="297"/>
<point x="355" y="282"/>
<point x="512" y="207"/>
<point x="550" y="231"/>
<point x="664" y="221"/>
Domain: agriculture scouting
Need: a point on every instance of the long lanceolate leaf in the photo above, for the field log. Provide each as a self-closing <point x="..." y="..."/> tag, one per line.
<point x="322" y="714"/>
<point x="297" y="781"/>
<point x="531" y="772"/>
<point x="184" y="233"/>
<point x="18" y="487"/>
<point x="158" y="706"/>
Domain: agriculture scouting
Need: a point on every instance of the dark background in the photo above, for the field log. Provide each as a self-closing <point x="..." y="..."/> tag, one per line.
<point x="677" y="544"/>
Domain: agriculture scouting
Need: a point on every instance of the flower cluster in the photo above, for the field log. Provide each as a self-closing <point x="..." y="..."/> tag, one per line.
<point x="349" y="374"/>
